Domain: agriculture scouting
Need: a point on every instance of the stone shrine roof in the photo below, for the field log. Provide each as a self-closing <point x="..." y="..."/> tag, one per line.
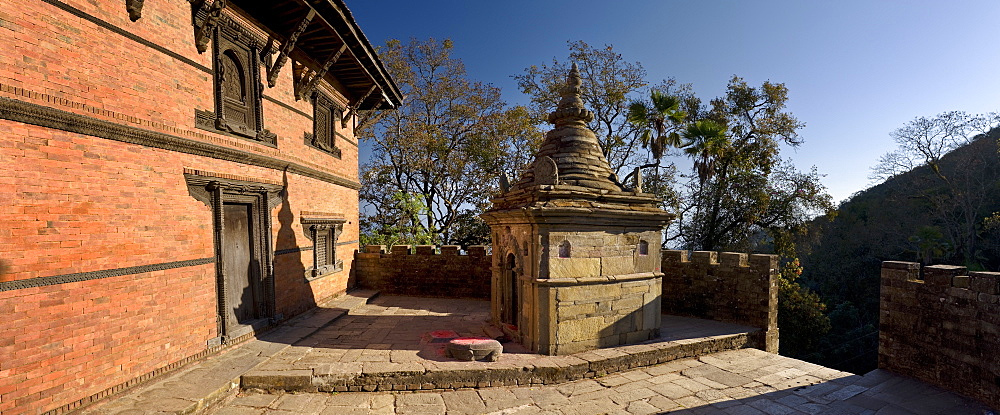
<point x="570" y="173"/>
<point x="571" y="147"/>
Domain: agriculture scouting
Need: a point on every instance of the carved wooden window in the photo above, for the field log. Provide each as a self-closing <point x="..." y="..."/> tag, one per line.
<point x="237" y="109"/>
<point x="324" y="233"/>
<point x="238" y="87"/>
<point x="326" y="119"/>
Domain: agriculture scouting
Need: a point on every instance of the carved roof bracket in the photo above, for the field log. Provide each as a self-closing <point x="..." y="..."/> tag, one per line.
<point x="206" y="18"/>
<point x="286" y="48"/>
<point x="353" y="106"/>
<point x="134" y="8"/>
<point x="307" y="86"/>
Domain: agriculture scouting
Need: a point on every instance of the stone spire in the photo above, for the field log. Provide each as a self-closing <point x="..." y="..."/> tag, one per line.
<point x="570" y="154"/>
<point x="571" y="108"/>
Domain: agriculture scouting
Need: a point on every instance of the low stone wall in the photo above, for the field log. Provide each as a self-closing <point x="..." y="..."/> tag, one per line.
<point x="578" y="314"/>
<point x="724" y="286"/>
<point x="426" y="272"/>
<point x="942" y="327"/>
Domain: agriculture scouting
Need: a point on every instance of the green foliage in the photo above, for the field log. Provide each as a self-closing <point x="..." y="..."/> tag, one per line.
<point x="801" y="320"/>
<point x="741" y="189"/>
<point x="659" y="120"/>
<point x="397" y="223"/>
<point x="915" y="215"/>
<point x="448" y="143"/>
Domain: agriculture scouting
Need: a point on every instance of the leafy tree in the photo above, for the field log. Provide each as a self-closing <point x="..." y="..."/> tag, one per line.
<point x="924" y="140"/>
<point x="659" y="121"/>
<point x="397" y="222"/>
<point x="957" y="197"/>
<point x="446" y="145"/>
<point x="741" y="188"/>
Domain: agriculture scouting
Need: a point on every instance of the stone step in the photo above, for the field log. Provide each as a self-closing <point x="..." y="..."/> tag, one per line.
<point x="199" y="386"/>
<point x="362" y="376"/>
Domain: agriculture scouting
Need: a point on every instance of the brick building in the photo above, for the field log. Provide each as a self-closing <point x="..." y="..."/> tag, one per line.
<point x="176" y="176"/>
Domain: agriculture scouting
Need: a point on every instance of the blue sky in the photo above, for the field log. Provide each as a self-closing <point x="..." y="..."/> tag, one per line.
<point x="855" y="70"/>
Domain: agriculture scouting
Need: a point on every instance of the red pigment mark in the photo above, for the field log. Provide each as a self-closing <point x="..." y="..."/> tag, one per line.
<point x="443" y="334"/>
<point x="471" y="340"/>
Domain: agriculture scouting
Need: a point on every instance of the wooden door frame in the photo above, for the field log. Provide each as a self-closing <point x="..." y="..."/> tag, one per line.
<point x="262" y="198"/>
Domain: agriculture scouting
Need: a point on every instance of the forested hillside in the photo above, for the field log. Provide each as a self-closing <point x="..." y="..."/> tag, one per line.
<point x="942" y="212"/>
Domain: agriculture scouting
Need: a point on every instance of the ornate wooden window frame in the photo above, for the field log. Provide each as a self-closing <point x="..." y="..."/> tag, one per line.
<point x="232" y="41"/>
<point x="324" y="233"/>
<point x="326" y="112"/>
<point x="216" y="192"/>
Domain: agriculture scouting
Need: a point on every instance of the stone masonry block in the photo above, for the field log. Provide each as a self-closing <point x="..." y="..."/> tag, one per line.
<point x="960" y="281"/>
<point x="673" y="256"/>
<point x="400" y="250"/>
<point x="733" y="259"/>
<point x="374" y="249"/>
<point x="984" y="282"/>
<point x="450" y="249"/>
<point x="574" y="267"/>
<point x="617" y="265"/>
<point x="588" y="292"/>
<point x="425" y="249"/>
<point x="942" y="275"/>
<point x="764" y="261"/>
<point x="580" y="329"/>
<point x="477" y="250"/>
<point x="705" y="257"/>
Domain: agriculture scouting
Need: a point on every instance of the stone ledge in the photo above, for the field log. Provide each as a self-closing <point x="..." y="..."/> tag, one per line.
<point x="545" y="371"/>
<point x="608" y="279"/>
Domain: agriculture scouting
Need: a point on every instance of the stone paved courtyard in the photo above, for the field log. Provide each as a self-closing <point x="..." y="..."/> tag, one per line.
<point x="739" y="382"/>
<point x="364" y="331"/>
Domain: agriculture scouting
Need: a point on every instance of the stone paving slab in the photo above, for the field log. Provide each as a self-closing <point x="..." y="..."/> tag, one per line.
<point x="755" y="384"/>
<point x="396" y="343"/>
<point x="199" y="385"/>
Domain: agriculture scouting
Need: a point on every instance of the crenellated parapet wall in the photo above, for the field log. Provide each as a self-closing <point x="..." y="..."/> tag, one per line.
<point x="724" y="286"/>
<point x="425" y="270"/>
<point x="941" y="324"/>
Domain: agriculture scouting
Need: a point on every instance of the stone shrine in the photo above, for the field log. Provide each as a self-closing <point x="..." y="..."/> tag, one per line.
<point x="576" y="262"/>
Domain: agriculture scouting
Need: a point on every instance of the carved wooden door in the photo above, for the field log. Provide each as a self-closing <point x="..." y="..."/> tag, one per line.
<point x="237" y="257"/>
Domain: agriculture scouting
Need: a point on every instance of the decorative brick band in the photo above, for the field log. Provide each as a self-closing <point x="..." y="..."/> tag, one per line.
<point x="93" y="19"/>
<point x="28" y="113"/>
<point x="292" y="250"/>
<point x="96" y="275"/>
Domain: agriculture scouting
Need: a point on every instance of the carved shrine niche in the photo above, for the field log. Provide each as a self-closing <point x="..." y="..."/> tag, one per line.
<point x="546" y="171"/>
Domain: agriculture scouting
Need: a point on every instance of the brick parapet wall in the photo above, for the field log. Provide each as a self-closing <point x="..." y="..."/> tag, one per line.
<point x="941" y="324"/>
<point x="423" y="271"/>
<point x="723" y="286"/>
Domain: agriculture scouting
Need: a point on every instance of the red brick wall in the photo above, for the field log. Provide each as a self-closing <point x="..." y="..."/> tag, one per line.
<point x="73" y="203"/>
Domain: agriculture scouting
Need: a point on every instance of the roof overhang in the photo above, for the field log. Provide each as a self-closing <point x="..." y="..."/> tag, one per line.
<point x="326" y="30"/>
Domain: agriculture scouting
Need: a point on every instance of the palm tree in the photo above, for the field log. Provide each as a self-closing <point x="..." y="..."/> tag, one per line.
<point x="707" y="141"/>
<point x="659" y="119"/>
